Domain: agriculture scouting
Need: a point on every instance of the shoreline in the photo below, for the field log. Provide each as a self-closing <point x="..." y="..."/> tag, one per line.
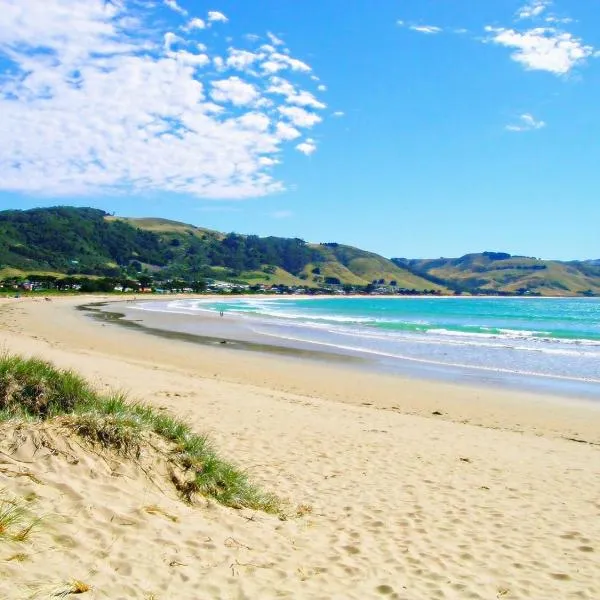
<point x="239" y="331"/>
<point x="331" y="380"/>
<point x="408" y="489"/>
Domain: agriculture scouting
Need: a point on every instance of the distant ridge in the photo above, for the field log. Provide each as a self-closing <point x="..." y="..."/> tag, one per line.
<point x="501" y="273"/>
<point x="84" y="241"/>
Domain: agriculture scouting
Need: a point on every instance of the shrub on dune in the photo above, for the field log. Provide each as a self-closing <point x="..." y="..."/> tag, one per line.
<point x="34" y="390"/>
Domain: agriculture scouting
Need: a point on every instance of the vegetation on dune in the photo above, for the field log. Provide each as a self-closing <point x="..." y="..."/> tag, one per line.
<point x="16" y="524"/>
<point x="35" y="390"/>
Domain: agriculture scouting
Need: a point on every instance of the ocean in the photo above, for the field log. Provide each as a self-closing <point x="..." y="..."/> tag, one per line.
<point x="550" y="343"/>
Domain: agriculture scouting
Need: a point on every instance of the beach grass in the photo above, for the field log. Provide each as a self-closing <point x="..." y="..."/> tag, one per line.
<point x="34" y="390"/>
<point x="16" y="524"/>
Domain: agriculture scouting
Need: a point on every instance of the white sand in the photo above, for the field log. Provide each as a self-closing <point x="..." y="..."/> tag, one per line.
<point x="407" y="506"/>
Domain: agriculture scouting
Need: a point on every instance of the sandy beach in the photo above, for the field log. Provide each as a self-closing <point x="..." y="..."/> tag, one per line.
<point x="405" y="489"/>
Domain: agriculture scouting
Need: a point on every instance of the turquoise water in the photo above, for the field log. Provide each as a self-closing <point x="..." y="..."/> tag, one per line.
<point x="540" y="337"/>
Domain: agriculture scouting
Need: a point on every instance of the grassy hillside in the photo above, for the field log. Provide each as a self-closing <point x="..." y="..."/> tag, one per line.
<point x="349" y="265"/>
<point x="495" y="272"/>
<point x="166" y="225"/>
<point x="83" y="241"/>
<point x="72" y="240"/>
<point x="361" y="268"/>
<point x="77" y="241"/>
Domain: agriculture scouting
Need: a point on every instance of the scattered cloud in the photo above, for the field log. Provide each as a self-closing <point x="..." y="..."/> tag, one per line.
<point x="300" y="116"/>
<point x="285" y="131"/>
<point x="307" y="147"/>
<point x="430" y="29"/>
<point x="97" y="97"/>
<point x="280" y="62"/>
<point x="274" y="39"/>
<point x="195" y="23"/>
<point x="234" y="90"/>
<point x="338" y="113"/>
<point x="533" y="9"/>
<point x="526" y="122"/>
<point x="215" y="16"/>
<point x="172" y="4"/>
<point x="543" y="48"/>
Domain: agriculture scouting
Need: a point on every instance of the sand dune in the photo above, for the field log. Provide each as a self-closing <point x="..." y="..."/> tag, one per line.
<point x="393" y="505"/>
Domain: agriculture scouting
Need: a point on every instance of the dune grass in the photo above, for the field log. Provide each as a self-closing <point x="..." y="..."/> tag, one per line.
<point x="35" y="390"/>
<point x="15" y="522"/>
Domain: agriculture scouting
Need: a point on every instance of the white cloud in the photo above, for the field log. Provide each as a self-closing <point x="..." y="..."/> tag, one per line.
<point x="543" y="48"/>
<point x="304" y="98"/>
<point x="277" y="61"/>
<point x="533" y="9"/>
<point x="234" y="90"/>
<point x="339" y="113"/>
<point x="322" y="88"/>
<point x="274" y="39"/>
<point x="242" y="59"/>
<point x="430" y="29"/>
<point x="170" y="39"/>
<point x="95" y="101"/>
<point x="172" y="4"/>
<point x="559" y="20"/>
<point x="299" y="116"/>
<point x="526" y="122"/>
<point x="284" y="131"/>
<point x="267" y="161"/>
<point x="214" y="16"/>
<point x="255" y="120"/>
<point x="189" y="58"/>
<point x="195" y="23"/>
<point x="307" y="147"/>
<point x="283" y="87"/>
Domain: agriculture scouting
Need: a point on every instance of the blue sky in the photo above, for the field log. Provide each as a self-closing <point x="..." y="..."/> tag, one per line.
<point x="415" y="128"/>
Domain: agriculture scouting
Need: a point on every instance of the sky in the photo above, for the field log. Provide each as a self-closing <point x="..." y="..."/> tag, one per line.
<point x="411" y="128"/>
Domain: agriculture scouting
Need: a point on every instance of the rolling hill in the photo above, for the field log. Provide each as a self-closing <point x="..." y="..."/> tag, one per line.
<point x="498" y="272"/>
<point x="85" y="241"/>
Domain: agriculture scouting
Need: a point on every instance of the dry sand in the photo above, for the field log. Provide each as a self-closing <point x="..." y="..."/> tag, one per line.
<point x="488" y="500"/>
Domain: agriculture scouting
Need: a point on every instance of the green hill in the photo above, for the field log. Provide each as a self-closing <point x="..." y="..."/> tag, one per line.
<point x="498" y="272"/>
<point x="360" y="267"/>
<point x="85" y="241"/>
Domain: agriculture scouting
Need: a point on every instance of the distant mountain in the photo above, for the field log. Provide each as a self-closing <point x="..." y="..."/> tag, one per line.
<point x="76" y="241"/>
<point x="501" y="273"/>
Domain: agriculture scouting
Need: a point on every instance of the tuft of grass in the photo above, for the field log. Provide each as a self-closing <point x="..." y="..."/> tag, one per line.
<point x="34" y="389"/>
<point x="157" y="510"/>
<point x="15" y="524"/>
<point x="18" y="557"/>
<point x="71" y="587"/>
